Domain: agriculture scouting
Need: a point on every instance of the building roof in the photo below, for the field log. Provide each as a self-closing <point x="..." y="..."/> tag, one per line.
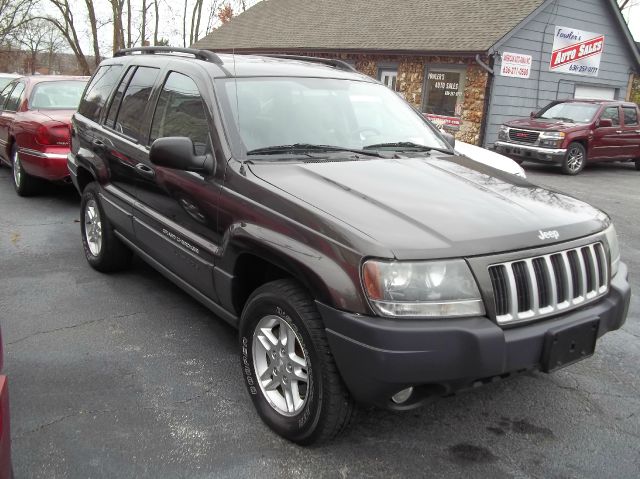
<point x="436" y="26"/>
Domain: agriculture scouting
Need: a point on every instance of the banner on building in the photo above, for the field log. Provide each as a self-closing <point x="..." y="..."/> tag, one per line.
<point x="576" y="51"/>
<point x="516" y="65"/>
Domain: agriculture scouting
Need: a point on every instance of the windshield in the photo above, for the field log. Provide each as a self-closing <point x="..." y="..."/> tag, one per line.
<point x="572" y="112"/>
<point x="57" y="95"/>
<point x="272" y="112"/>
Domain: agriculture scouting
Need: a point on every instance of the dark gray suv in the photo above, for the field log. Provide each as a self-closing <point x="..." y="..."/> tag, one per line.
<point x="359" y="256"/>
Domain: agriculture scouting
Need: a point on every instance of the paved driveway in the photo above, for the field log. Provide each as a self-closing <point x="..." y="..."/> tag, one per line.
<point x="126" y="376"/>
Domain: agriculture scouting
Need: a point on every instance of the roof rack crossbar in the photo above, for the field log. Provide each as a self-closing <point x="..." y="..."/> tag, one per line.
<point x="340" y="64"/>
<point x="205" y="55"/>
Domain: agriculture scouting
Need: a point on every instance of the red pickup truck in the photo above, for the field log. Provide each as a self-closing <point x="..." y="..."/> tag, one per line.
<point x="572" y="133"/>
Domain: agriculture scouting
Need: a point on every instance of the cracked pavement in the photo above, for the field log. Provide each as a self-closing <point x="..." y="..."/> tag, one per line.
<point x="124" y="375"/>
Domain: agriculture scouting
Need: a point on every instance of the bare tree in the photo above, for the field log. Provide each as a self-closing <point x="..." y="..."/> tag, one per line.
<point x="64" y="22"/>
<point x="31" y="36"/>
<point x="13" y="14"/>
<point x="93" y="23"/>
<point x="117" y="7"/>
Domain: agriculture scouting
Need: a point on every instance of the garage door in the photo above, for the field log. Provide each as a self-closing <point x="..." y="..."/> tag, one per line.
<point x="595" y="92"/>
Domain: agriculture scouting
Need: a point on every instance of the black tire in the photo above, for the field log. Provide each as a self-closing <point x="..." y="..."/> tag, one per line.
<point x="638" y="165"/>
<point x="575" y="160"/>
<point x="328" y="406"/>
<point x="112" y="254"/>
<point x="23" y="182"/>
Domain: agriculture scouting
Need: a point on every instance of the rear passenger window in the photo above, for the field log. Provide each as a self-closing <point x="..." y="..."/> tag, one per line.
<point x="14" y="98"/>
<point x="5" y="94"/>
<point x="630" y="115"/>
<point x="117" y="98"/>
<point x="612" y="114"/>
<point x="181" y="112"/>
<point x="98" y="91"/>
<point x="134" y="102"/>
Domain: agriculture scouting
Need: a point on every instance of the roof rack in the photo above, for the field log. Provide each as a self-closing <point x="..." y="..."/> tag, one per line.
<point x="205" y="55"/>
<point x="340" y="64"/>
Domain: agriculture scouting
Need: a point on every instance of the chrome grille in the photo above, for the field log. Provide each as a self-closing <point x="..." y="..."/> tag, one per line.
<point x="523" y="136"/>
<point x="533" y="288"/>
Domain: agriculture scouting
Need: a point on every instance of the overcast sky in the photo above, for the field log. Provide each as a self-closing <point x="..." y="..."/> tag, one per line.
<point x="172" y="12"/>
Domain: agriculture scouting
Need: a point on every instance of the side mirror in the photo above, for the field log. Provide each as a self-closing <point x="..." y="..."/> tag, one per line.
<point x="449" y="138"/>
<point x="177" y="152"/>
<point x="533" y="114"/>
<point x="605" y="123"/>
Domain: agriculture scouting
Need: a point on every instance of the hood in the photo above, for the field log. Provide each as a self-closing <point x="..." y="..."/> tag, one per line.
<point x="436" y="207"/>
<point x="544" y="124"/>
<point x="490" y="158"/>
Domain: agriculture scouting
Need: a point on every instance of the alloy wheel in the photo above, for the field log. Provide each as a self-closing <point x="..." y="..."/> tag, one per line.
<point x="17" y="169"/>
<point x="93" y="227"/>
<point x="280" y="365"/>
<point x="575" y="159"/>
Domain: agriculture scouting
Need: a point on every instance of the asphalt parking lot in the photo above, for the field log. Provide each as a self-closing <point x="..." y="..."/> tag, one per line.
<point x="126" y="376"/>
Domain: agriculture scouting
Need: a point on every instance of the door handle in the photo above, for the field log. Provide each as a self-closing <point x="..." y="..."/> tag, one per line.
<point x="145" y="170"/>
<point x="98" y="144"/>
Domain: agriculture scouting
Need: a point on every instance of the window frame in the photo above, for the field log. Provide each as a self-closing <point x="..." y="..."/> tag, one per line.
<point x="386" y="67"/>
<point x="624" y="118"/>
<point x="617" y="107"/>
<point x="20" y="98"/>
<point x="101" y="116"/>
<point x="205" y="107"/>
<point x="446" y="68"/>
<point x="10" y="86"/>
<point x="145" y="128"/>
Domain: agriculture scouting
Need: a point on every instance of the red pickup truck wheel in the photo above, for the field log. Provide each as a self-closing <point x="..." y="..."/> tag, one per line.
<point x="575" y="159"/>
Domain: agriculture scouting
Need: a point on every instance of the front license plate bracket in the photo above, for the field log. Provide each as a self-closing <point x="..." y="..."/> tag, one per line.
<point x="569" y="344"/>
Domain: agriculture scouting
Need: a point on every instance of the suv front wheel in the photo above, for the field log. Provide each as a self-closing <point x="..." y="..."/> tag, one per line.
<point x="575" y="159"/>
<point x="102" y="248"/>
<point x="287" y="365"/>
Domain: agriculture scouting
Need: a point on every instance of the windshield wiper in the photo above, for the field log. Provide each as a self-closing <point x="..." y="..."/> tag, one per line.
<point x="406" y="146"/>
<point x="305" y="147"/>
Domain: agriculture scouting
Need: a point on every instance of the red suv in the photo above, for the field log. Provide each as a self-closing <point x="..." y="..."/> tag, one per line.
<point x="573" y="132"/>
<point x="35" y="120"/>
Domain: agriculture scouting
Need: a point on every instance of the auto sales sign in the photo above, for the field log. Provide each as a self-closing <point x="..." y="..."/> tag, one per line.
<point x="577" y="52"/>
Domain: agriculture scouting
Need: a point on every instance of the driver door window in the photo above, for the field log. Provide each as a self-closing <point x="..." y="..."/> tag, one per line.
<point x="181" y="112"/>
<point x="612" y="113"/>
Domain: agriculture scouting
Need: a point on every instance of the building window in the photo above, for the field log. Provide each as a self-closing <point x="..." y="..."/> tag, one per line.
<point x="388" y="74"/>
<point x="444" y="95"/>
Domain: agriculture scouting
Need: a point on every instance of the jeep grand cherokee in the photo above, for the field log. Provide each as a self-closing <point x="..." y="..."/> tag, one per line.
<point x="360" y="258"/>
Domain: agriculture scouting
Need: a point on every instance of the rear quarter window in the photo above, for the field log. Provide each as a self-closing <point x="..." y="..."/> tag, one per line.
<point x="630" y="115"/>
<point x="13" y="102"/>
<point x="98" y="91"/>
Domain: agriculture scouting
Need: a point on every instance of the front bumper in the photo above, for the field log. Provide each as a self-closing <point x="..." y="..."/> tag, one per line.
<point x="529" y="152"/>
<point x="378" y="357"/>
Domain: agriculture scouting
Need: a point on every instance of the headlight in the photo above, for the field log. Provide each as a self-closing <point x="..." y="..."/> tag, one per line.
<point x="422" y="289"/>
<point x="552" y="139"/>
<point x="503" y="132"/>
<point x="614" y="249"/>
<point x="553" y="135"/>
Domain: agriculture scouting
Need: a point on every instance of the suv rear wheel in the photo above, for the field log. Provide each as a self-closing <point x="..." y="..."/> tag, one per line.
<point x="575" y="159"/>
<point x="103" y="250"/>
<point x="289" y="370"/>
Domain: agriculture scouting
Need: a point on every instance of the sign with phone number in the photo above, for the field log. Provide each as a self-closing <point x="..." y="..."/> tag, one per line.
<point x="576" y="51"/>
<point x="516" y="65"/>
